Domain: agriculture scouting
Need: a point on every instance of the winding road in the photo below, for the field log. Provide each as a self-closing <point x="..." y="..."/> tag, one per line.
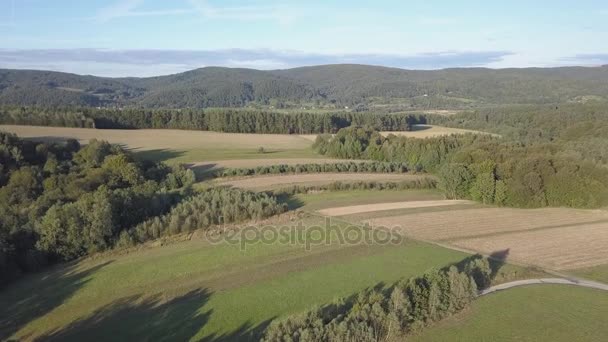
<point x="560" y="281"/>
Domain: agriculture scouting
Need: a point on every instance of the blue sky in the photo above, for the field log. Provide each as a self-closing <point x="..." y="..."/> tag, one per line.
<point x="152" y="37"/>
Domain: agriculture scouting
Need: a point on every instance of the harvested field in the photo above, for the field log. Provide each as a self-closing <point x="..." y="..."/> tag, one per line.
<point x="365" y="208"/>
<point x="555" y="238"/>
<point x="273" y="181"/>
<point x="150" y="139"/>
<point x="457" y="224"/>
<point x="571" y="247"/>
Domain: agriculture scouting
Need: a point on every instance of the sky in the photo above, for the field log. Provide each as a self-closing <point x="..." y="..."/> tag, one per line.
<point x="153" y="37"/>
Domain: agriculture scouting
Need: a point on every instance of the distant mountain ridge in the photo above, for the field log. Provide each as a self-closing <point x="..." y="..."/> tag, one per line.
<point x="329" y="85"/>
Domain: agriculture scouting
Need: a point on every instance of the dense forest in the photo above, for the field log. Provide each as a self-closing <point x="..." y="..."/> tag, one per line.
<point x="59" y="202"/>
<point x="219" y="120"/>
<point x="488" y="169"/>
<point x="326" y="86"/>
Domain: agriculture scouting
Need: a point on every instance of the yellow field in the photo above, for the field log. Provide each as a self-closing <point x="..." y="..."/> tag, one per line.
<point x="152" y="139"/>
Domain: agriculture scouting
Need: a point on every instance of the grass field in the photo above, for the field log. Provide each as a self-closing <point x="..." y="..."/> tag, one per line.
<point x="534" y="313"/>
<point x="599" y="273"/>
<point x="191" y="290"/>
<point x="324" y="200"/>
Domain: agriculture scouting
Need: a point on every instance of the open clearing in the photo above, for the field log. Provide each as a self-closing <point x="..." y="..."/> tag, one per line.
<point x="427" y="131"/>
<point x="277" y="181"/>
<point x="535" y="313"/>
<point x="194" y="290"/>
<point x="553" y="238"/>
<point x="365" y="208"/>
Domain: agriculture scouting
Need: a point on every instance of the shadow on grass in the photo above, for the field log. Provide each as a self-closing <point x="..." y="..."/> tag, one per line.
<point x="153" y="318"/>
<point x="159" y="155"/>
<point x="419" y="127"/>
<point x="38" y="294"/>
<point x="140" y="319"/>
<point x="205" y="171"/>
<point x="292" y="201"/>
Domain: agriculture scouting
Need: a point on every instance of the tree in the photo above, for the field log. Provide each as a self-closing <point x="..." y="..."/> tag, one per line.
<point x="455" y="180"/>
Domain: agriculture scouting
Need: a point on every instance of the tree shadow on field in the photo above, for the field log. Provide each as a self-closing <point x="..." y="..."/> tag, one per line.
<point x="205" y="171"/>
<point x="159" y="155"/>
<point x="138" y="318"/>
<point x="292" y="201"/>
<point x="497" y="260"/>
<point x="36" y="295"/>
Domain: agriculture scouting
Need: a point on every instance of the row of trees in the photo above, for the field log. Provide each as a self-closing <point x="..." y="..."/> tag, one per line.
<point x="62" y="201"/>
<point x="385" y="314"/>
<point x="353" y="167"/>
<point x="211" y="207"/>
<point x="420" y="183"/>
<point x="219" y="120"/>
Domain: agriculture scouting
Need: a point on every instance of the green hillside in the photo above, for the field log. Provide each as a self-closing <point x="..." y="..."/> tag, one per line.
<point x="326" y="86"/>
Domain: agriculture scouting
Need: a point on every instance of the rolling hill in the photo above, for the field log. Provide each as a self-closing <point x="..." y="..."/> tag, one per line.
<point x="326" y="85"/>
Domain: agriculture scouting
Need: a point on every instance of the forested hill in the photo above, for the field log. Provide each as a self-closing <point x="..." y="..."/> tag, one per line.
<point x="327" y="86"/>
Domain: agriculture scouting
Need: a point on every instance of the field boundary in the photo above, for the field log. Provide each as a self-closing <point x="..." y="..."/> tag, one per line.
<point x="541" y="281"/>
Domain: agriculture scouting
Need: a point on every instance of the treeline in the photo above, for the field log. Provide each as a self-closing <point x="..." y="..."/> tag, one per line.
<point x="214" y="206"/>
<point x="353" y="167"/>
<point x="420" y="183"/>
<point x="389" y="314"/>
<point x="218" y="120"/>
<point x="62" y="201"/>
<point x="580" y="130"/>
<point x="485" y="168"/>
<point x="419" y="154"/>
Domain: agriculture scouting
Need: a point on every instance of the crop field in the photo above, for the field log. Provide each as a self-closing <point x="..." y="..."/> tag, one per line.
<point x="278" y="181"/>
<point x="534" y="313"/>
<point x="194" y="290"/>
<point x="181" y="146"/>
<point x="554" y="238"/>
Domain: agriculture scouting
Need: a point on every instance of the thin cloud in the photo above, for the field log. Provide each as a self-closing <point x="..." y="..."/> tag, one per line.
<point x="145" y="62"/>
<point x="128" y="8"/>
<point x="281" y="14"/>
